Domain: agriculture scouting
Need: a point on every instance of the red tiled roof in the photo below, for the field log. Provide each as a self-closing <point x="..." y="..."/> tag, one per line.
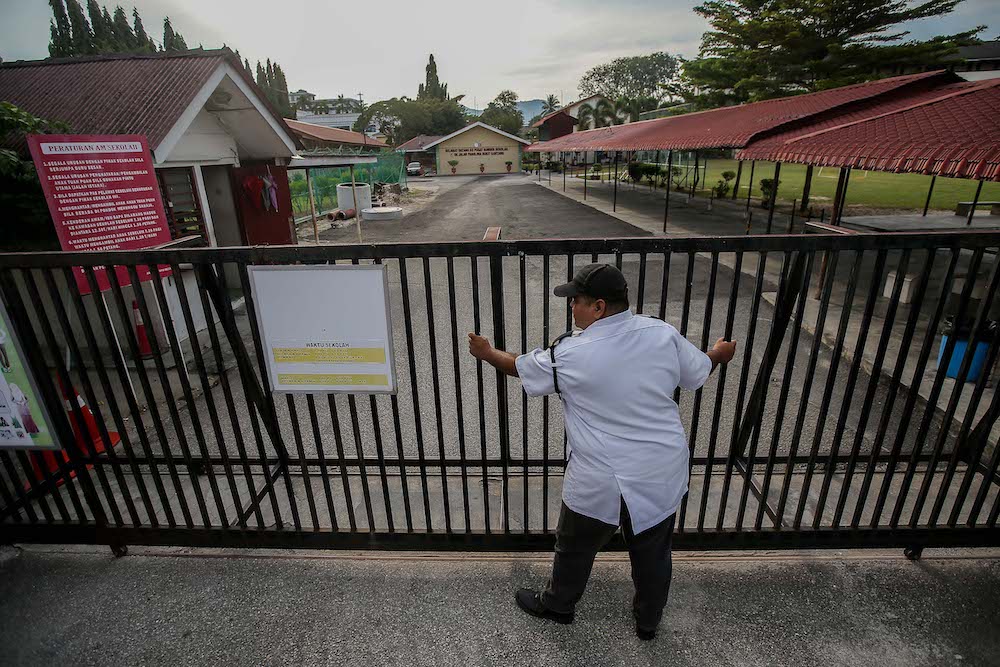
<point x="116" y="94"/>
<point x="541" y="121"/>
<point x="417" y="143"/>
<point x="333" y="134"/>
<point x="729" y="127"/>
<point x="953" y="130"/>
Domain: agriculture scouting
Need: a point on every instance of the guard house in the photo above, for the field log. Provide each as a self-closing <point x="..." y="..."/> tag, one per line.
<point x="477" y="149"/>
<point x="214" y="138"/>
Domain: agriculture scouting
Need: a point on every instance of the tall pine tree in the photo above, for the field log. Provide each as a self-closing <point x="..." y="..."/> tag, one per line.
<point x="143" y="42"/>
<point x="83" y="38"/>
<point x="122" y="31"/>
<point x="101" y="30"/>
<point x="172" y="40"/>
<point x="61" y="44"/>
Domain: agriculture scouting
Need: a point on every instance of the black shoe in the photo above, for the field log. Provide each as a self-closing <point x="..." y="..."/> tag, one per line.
<point x="531" y="602"/>
<point x="644" y="635"/>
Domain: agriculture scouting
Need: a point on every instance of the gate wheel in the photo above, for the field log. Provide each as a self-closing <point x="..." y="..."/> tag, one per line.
<point x="913" y="553"/>
<point x="119" y="550"/>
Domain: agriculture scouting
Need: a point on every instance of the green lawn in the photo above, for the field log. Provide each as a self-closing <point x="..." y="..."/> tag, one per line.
<point x="872" y="188"/>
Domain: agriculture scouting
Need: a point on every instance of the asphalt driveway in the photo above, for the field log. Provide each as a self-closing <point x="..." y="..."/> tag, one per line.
<point x="467" y="205"/>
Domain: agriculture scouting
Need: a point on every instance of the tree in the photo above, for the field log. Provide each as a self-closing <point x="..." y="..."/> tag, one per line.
<point x="101" y="30"/>
<point x="143" y="42"/>
<point x="172" y="40"/>
<point x="83" y="38"/>
<point x="503" y="114"/>
<point x="550" y="105"/>
<point x="635" y="76"/>
<point x="432" y="88"/>
<point x="61" y="36"/>
<point x="760" y="49"/>
<point x="123" y="36"/>
<point x="585" y="118"/>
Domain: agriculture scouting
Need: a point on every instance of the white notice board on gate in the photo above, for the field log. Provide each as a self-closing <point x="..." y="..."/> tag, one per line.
<point x="325" y="329"/>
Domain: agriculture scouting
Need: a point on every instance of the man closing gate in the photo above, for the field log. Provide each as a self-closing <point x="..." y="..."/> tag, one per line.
<point x="627" y="451"/>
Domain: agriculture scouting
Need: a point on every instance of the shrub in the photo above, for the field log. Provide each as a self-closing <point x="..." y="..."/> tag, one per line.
<point x="677" y="176"/>
<point x="766" y="185"/>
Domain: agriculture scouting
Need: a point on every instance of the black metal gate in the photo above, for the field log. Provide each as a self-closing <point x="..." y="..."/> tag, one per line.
<point x="833" y="427"/>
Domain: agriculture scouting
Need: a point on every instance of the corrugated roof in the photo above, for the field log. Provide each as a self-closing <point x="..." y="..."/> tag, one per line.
<point x="418" y="142"/>
<point x="117" y="94"/>
<point x="730" y="127"/>
<point x="333" y="134"/>
<point x="951" y="131"/>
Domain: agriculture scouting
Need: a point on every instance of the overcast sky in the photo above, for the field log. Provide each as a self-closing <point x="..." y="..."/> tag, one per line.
<point x="534" y="47"/>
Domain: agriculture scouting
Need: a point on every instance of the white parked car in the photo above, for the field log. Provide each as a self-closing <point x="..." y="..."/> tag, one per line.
<point x="414" y="169"/>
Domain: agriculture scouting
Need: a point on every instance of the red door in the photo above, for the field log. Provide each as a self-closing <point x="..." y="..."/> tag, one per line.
<point x="263" y="223"/>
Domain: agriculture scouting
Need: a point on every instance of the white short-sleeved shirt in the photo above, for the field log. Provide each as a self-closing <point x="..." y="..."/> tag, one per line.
<point x="625" y="437"/>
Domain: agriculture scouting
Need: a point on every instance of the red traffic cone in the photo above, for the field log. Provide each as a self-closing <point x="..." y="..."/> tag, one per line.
<point x="87" y="442"/>
<point x="145" y="349"/>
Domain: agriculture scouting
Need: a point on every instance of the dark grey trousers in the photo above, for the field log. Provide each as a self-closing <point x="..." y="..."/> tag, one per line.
<point x="579" y="538"/>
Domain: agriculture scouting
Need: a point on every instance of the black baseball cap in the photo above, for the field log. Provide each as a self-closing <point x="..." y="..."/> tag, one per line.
<point x="598" y="281"/>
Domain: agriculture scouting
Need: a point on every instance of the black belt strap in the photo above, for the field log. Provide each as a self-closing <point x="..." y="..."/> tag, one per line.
<point x="552" y="356"/>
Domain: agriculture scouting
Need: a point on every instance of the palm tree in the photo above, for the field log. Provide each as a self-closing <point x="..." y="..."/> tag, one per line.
<point x="550" y="104"/>
<point x="605" y="114"/>
<point x="627" y="109"/>
<point x="585" y="117"/>
<point x="341" y="104"/>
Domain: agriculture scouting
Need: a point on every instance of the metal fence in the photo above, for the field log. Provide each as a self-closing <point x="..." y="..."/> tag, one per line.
<point x="832" y="427"/>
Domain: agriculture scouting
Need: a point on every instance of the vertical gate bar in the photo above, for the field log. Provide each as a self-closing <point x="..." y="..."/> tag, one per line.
<point x="133" y="406"/>
<point x="875" y="285"/>
<point x="994" y="513"/>
<point x="480" y="392"/>
<point x="569" y="327"/>
<point x="642" y="282"/>
<point x="436" y="383"/>
<point x="930" y="190"/>
<point x="664" y="283"/>
<point x="417" y="424"/>
<point x="398" y="433"/>
<point x="838" y="196"/>
<point x="76" y="414"/>
<point x="618" y="260"/>
<point x="338" y="439"/>
<point x="843" y="197"/>
<point x="119" y="299"/>
<point x="719" y="394"/>
<point x="831" y="382"/>
<point x="380" y="453"/>
<point x="324" y="472"/>
<point x="206" y="389"/>
<point x="362" y="463"/>
<point x="666" y="195"/>
<point x="216" y="345"/>
<point x="686" y="310"/>
<point x="739" y="174"/>
<point x="293" y="417"/>
<point x="956" y="393"/>
<point x="269" y="413"/>
<point x="741" y="390"/>
<point x="503" y="416"/>
<point x="696" y="410"/>
<point x="168" y="392"/>
<point x="911" y="396"/>
<point x="545" y="399"/>
<point x="989" y="475"/>
<point x="524" y="396"/>
<point x="172" y="401"/>
<point x="807" y="385"/>
<point x="459" y="413"/>
<point x="774" y="196"/>
<point x="875" y="375"/>
<point x="16" y="484"/>
<point x="90" y="452"/>
<point x="786" y="383"/>
<point x="88" y="332"/>
<point x="932" y="400"/>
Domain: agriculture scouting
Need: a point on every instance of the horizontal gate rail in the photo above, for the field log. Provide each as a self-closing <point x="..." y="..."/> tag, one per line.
<point x="834" y="428"/>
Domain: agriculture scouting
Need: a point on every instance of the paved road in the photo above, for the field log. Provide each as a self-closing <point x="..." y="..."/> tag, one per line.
<point x="467" y="205"/>
<point x="286" y="608"/>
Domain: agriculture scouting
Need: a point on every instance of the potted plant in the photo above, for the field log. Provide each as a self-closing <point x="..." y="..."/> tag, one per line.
<point x="482" y="168"/>
<point x="453" y="164"/>
<point x="509" y="165"/>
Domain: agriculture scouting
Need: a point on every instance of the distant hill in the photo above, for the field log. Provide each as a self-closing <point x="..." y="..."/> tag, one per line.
<point x="471" y="111"/>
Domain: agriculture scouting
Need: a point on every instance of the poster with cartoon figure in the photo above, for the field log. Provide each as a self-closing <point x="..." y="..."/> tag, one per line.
<point x="24" y="423"/>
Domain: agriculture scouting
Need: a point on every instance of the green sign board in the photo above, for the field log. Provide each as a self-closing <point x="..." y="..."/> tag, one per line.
<point x="24" y="421"/>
